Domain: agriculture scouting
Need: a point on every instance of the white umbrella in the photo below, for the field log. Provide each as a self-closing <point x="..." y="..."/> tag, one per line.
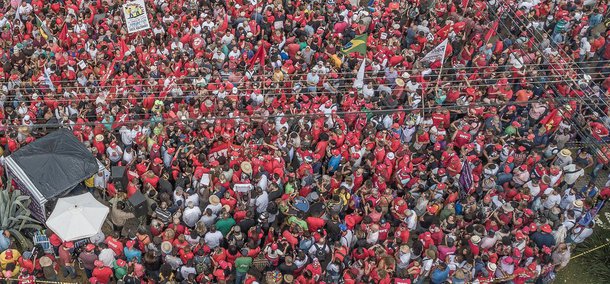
<point x="77" y="217"/>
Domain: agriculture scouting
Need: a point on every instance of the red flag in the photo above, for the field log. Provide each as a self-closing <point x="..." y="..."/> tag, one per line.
<point x="465" y="4"/>
<point x="259" y="55"/>
<point x="109" y="71"/>
<point x="492" y="31"/>
<point x="63" y="34"/>
<point x="552" y="120"/>
<point x="123" y="48"/>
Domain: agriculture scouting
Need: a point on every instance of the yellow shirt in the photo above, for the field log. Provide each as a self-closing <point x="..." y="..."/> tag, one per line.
<point x="90" y="181"/>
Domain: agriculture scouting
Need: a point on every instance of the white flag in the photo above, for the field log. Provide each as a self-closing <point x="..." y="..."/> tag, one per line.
<point x="437" y="53"/>
<point x="359" y="83"/>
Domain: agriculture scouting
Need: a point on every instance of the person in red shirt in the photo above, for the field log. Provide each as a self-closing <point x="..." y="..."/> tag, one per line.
<point x="114" y="244"/>
<point x="102" y="273"/>
<point x="315" y="223"/>
<point x="598" y="130"/>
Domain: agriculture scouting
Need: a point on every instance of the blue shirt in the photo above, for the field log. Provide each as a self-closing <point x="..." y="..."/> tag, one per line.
<point x="439" y="276"/>
<point x="333" y="163"/>
<point x="132" y="253"/>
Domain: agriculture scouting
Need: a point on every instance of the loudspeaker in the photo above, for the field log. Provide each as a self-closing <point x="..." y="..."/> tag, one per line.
<point x="118" y="176"/>
<point x="138" y="204"/>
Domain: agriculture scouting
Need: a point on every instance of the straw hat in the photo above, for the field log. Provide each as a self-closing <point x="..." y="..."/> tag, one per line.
<point x="246" y="167"/>
<point x="475" y="239"/>
<point x="23" y="129"/>
<point x="288" y="278"/>
<point x="577" y="203"/>
<point x="99" y="138"/>
<point x="166" y="247"/>
<point x="400" y="82"/>
<point x="45" y="261"/>
<point x="214" y="200"/>
<point x="565" y="153"/>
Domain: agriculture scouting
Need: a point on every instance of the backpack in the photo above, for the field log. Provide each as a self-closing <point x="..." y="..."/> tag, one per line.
<point x="320" y="252"/>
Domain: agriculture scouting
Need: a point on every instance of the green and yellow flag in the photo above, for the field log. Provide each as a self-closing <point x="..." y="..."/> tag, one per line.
<point x="358" y="44"/>
<point x="43" y="29"/>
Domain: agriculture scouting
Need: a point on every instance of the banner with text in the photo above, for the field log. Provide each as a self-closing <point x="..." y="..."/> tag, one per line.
<point x="136" y="17"/>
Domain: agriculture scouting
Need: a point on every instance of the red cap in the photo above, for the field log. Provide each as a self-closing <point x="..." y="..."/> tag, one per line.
<point x="171" y="150"/>
<point x="121" y="263"/>
<point x="130" y="243"/>
<point x="69" y="244"/>
<point x="157" y="161"/>
<point x="546" y="228"/>
<point x="90" y="247"/>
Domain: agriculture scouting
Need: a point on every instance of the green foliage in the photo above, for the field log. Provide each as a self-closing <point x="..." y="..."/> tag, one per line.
<point x="15" y="215"/>
<point x="596" y="260"/>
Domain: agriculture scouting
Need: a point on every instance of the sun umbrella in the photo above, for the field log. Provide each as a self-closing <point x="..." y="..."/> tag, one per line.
<point x="77" y="217"/>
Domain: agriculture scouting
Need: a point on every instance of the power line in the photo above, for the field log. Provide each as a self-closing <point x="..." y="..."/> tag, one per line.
<point x="298" y="115"/>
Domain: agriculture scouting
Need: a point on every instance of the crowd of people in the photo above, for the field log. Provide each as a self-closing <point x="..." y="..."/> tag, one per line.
<point x="262" y="159"/>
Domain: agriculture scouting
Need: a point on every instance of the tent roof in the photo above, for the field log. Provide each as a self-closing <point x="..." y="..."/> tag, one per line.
<point x="56" y="163"/>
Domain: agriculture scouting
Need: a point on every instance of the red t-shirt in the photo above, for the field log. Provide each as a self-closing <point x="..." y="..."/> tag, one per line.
<point x="114" y="245"/>
<point x="315" y="223"/>
<point x="102" y="274"/>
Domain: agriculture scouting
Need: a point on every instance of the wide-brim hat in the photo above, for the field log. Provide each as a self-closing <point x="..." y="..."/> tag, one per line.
<point x="491" y="266"/>
<point x="246" y="167"/>
<point x="565" y="153"/>
<point x="400" y="82"/>
<point x="166" y="247"/>
<point x="475" y="239"/>
<point x="45" y="261"/>
<point x="214" y="200"/>
<point x="578" y="203"/>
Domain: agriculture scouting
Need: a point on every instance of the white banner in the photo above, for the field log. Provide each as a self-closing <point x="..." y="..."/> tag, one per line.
<point x="438" y="53"/>
<point x="136" y="17"/>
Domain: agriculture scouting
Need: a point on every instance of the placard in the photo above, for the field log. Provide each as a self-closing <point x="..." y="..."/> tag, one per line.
<point x="136" y="17"/>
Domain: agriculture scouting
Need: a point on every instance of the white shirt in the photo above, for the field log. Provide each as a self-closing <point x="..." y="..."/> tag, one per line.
<point x="261" y="202"/>
<point x="191" y="216"/>
<point x="114" y="154"/>
<point x="571" y="174"/>
<point x="128" y="156"/>
<point x="551" y="201"/>
<point x="213" y="239"/>
<point x="107" y="257"/>
<point x="127" y="135"/>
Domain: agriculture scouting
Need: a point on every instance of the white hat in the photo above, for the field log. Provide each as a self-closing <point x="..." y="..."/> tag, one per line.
<point x="235" y="90"/>
<point x="406" y="75"/>
<point x="491" y="266"/>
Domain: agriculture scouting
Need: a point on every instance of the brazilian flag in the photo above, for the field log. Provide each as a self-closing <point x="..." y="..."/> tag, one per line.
<point x="43" y="29"/>
<point x="358" y="44"/>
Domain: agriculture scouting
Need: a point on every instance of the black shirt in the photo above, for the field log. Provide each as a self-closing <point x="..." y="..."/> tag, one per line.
<point x="286" y="269"/>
